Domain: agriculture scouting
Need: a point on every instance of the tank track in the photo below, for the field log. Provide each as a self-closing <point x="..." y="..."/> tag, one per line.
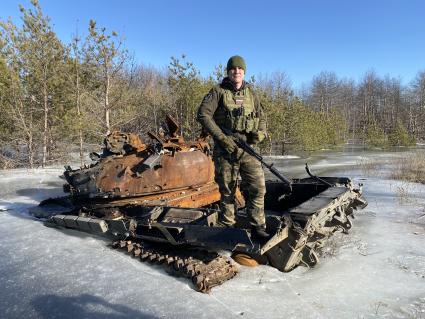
<point x="205" y="269"/>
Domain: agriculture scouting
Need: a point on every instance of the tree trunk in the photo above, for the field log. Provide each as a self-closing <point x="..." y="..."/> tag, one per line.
<point x="30" y="152"/>
<point x="80" y="129"/>
<point x="30" y="142"/>
<point x="106" y="106"/>
<point x="46" y="126"/>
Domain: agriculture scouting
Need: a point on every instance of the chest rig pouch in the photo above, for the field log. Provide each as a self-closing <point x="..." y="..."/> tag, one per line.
<point x="241" y="114"/>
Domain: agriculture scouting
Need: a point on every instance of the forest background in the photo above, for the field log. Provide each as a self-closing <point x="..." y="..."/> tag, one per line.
<point x="59" y="98"/>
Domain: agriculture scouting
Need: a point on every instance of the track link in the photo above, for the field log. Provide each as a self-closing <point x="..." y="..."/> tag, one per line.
<point x="205" y="269"/>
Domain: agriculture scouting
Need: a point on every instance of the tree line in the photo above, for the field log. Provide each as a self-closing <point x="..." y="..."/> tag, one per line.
<point x="59" y="98"/>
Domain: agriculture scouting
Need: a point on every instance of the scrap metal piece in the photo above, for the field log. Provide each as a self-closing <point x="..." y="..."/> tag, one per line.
<point x="172" y="125"/>
<point x="152" y="161"/>
<point x="81" y="223"/>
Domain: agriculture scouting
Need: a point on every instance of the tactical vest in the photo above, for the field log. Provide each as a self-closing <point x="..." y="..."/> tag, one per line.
<point x="239" y="113"/>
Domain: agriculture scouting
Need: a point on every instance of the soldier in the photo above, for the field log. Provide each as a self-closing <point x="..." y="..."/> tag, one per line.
<point x="232" y="109"/>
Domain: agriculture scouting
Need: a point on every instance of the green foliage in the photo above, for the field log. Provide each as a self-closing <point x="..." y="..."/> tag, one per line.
<point x="52" y="96"/>
<point x="335" y="126"/>
<point x="291" y="122"/>
<point x="187" y="89"/>
<point x="375" y="136"/>
<point x="6" y="127"/>
<point x="399" y="136"/>
<point x="37" y="92"/>
<point x="310" y="130"/>
<point x="104" y="65"/>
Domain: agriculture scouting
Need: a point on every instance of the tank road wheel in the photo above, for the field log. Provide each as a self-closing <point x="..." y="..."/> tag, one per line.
<point x="245" y="260"/>
<point x="309" y="257"/>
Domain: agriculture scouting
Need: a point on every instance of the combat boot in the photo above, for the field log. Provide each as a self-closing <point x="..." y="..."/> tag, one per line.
<point x="260" y="232"/>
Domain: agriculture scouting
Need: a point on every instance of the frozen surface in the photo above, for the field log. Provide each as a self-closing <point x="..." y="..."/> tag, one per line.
<point x="275" y="157"/>
<point x="377" y="271"/>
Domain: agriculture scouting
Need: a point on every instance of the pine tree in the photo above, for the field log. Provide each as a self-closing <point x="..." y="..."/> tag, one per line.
<point x="44" y="57"/>
<point x="105" y="60"/>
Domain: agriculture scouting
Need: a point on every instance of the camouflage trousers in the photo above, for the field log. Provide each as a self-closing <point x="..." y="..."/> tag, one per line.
<point x="253" y="187"/>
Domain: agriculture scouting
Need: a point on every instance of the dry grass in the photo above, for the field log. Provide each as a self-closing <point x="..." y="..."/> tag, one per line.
<point x="410" y="168"/>
<point x="369" y="167"/>
<point x="403" y="195"/>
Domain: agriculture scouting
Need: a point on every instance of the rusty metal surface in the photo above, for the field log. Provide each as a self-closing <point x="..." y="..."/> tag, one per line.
<point x="187" y="198"/>
<point x="126" y="176"/>
<point x="122" y="143"/>
<point x="168" y="171"/>
<point x="180" y="174"/>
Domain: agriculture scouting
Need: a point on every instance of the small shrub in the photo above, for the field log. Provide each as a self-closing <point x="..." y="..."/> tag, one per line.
<point x="375" y="136"/>
<point x="410" y="168"/>
<point x="399" y="136"/>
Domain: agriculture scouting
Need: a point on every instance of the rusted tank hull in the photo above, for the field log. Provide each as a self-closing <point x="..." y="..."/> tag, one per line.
<point x="190" y="197"/>
<point x="183" y="180"/>
<point x="127" y="176"/>
<point x="298" y="223"/>
<point x="168" y="171"/>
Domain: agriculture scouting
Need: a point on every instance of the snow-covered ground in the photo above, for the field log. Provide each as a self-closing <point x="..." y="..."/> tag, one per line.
<point x="377" y="271"/>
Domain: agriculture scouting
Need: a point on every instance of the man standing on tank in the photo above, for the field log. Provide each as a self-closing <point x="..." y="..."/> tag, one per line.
<point x="231" y="109"/>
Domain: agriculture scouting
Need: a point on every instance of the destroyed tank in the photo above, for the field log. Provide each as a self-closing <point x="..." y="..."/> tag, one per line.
<point x="168" y="171"/>
<point x="158" y="202"/>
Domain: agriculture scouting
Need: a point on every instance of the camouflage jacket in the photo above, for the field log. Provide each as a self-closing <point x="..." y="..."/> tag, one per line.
<point x="212" y="109"/>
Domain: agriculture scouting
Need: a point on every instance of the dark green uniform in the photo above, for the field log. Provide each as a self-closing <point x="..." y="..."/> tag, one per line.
<point x="223" y="111"/>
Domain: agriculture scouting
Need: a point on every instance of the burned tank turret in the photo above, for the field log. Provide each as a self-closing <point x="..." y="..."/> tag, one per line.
<point x="168" y="171"/>
<point x="157" y="202"/>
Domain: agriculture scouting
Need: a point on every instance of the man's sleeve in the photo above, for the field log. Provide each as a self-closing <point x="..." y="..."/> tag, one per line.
<point x="262" y="125"/>
<point x="206" y="112"/>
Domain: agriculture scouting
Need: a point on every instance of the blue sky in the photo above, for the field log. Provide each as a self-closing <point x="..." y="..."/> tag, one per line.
<point x="300" y="38"/>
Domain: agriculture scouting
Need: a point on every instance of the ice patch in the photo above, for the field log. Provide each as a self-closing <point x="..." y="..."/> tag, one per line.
<point x="375" y="271"/>
<point x="281" y="156"/>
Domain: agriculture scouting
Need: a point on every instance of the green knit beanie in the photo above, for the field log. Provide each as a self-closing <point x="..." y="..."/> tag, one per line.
<point x="236" y="61"/>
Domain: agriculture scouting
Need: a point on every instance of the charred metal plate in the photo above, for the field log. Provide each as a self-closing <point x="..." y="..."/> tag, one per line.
<point x="218" y="237"/>
<point x="178" y="215"/>
<point x="71" y="221"/>
<point x="98" y="225"/>
<point x="152" y="161"/>
<point x="81" y="223"/>
<point x="320" y="201"/>
<point x="59" y="220"/>
<point x="118" y="226"/>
